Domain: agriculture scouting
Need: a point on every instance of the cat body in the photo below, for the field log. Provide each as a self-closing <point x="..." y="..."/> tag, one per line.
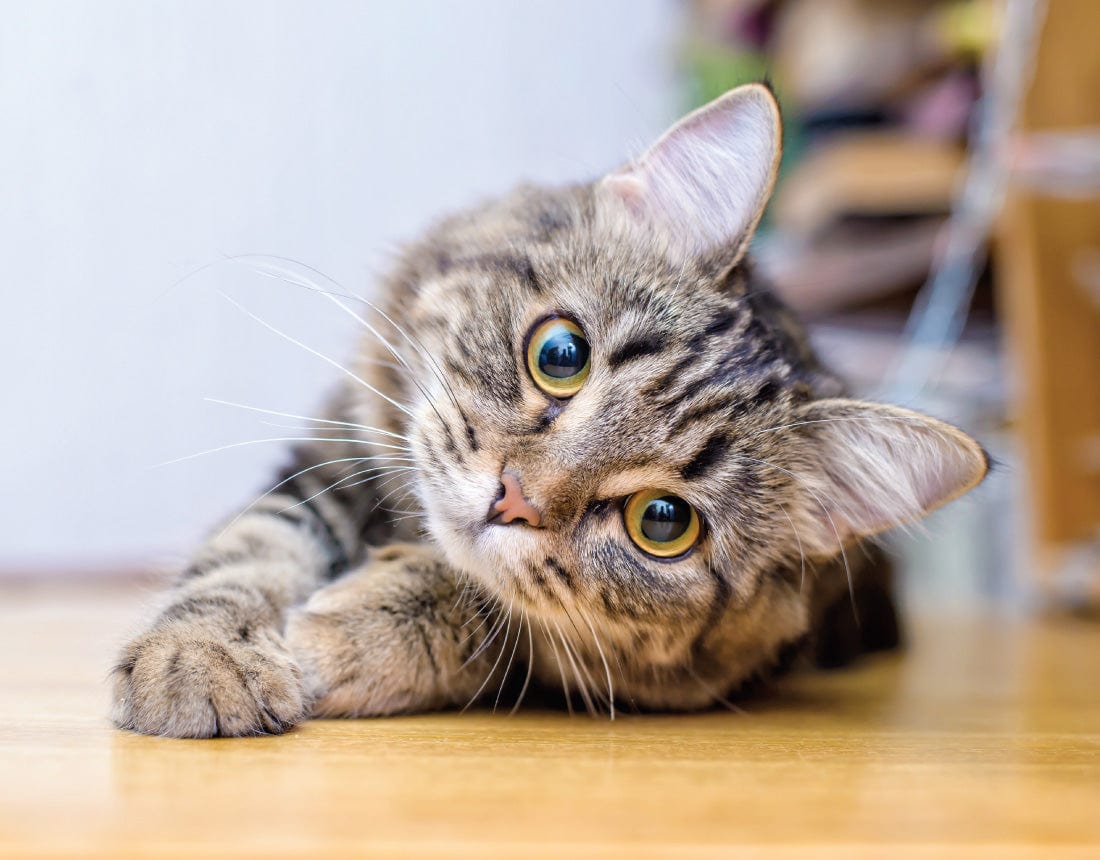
<point x="582" y="449"/>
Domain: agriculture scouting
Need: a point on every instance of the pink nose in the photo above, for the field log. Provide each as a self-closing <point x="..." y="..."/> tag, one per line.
<point x="512" y="506"/>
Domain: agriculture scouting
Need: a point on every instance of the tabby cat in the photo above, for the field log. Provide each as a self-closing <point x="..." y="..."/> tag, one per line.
<point x="626" y="479"/>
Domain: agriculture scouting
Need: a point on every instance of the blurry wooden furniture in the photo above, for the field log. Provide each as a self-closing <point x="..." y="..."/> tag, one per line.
<point x="1049" y="271"/>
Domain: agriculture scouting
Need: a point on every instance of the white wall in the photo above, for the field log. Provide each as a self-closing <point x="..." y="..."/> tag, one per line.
<point x="142" y="141"/>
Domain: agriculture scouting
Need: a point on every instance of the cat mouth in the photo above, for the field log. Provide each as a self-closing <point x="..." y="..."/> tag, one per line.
<point x="507" y="544"/>
<point x="489" y="553"/>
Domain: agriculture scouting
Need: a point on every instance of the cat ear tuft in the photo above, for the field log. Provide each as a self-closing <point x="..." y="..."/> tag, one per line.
<point x="875" y="467"/>
<point x="704" y="184"/>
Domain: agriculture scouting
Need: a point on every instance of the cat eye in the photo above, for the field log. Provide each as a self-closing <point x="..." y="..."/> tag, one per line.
<point x="661" y="524"/>
<point x="558" y="357"/>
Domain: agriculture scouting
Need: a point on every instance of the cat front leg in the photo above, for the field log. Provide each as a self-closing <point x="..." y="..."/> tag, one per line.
<point x="400" y="634"/>
<point x="214" y="662"/>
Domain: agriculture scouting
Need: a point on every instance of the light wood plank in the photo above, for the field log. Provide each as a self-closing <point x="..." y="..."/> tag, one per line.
<point x="983" y="739"/>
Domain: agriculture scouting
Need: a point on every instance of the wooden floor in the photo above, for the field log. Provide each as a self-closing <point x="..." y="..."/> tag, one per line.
<point x="983" y="739"/>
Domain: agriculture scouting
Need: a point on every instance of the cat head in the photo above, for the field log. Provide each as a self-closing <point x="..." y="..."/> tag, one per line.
<point x="612" y="418"/>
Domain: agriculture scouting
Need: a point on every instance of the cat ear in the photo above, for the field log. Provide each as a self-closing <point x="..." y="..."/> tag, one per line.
<point x="704" y="184"/>
<point x="873" y="467"/>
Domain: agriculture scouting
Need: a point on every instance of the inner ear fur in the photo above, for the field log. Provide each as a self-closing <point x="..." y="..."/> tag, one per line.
<point x="873" y="467"/>
<point x="702" y="187"/>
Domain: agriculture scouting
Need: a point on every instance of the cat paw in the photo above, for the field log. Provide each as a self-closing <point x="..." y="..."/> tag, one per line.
<point x="343" y="676"/>
<point x="186" y="680"/>
<point x="365" y="654"/>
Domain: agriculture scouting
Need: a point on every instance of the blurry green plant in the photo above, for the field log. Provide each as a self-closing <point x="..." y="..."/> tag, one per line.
<point x="712" y="69"/>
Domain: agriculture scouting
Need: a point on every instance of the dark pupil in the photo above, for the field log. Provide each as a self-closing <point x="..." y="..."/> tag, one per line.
<point x="563" y="354"/>
<point x="665" y="519"/>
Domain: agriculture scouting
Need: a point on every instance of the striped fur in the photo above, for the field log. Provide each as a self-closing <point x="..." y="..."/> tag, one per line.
<point x="353" y="592"/>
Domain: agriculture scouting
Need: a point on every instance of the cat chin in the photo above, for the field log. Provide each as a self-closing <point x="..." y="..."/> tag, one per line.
<point x="489" y="554"/>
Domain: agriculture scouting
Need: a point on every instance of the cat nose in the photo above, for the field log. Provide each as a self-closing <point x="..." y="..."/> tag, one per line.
<point x="512" y="506"/>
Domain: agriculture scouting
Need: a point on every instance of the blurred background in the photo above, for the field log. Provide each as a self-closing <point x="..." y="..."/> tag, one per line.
<point x="936" y="222"/>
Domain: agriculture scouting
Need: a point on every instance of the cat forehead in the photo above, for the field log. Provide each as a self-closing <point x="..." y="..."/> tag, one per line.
<point x="648" y="321"/>
<point x="488" y="276"/>
<point x="609" y="286"/>
<point x="538" y="236"/>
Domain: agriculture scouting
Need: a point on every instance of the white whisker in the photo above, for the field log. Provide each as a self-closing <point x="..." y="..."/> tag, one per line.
<point x="320" y="355"/>
<point x="381" y="501"/>
<point x="722" y="700"/>
<point x="307" y="418"/>
<point x="389" y="476"/>
<point x="606" y="668"/>
<point x="530" y="663"/>
<point x="511" y="657"/>
<point x="493" y="668"/>
<point x="285" y="481"/>
<point x="801" y="554"/>
<point x="462" y="597"/>
<point x="290" y="277"/>
<point x="279" y="439"/>
<point x="561" y="670"/>
<point x="385" y="471"/>
<point x="581" y="686"/>
<point x="589" y="680"/>
<point x="484" y="616"/>
<point x="487" y="641"/>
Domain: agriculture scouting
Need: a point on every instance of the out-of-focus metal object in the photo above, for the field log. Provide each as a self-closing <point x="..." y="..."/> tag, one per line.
<point x="941" y="308"/>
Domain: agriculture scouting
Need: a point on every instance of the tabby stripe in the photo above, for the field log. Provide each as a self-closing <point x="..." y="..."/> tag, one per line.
<point x="686" y="393"/>
<point x="739" y="362"/>
<point x="659" y="385"/>
<point x="702" y="410"/>
<point x="543" y="422"/>
<point x="609" y="607"/>
<point x="339" y="561"/>
<point x="723" y="594"/>
<point x="448" y="438"/>
<point x="418" y="625"/>
<point x="630" y="572"/>
<point x="459" y="371"/>
<point x="767" y="392"/>
<point x="721" y="323"/>
<point x="521" y="267"/>
<point x="711" y="452"/>
<point x="517" y="265"/>
<point x="199" y="605"/>
<point x="209" y="565"/>
<point x="564" y="575"/>
<point x="501" y="383"/>
<point x="308" y="515"/>
<point x="550" y="222"/>
<point x="540" y="581"/>
<point x="471" y="436"/>
<point x="648" y="344"/>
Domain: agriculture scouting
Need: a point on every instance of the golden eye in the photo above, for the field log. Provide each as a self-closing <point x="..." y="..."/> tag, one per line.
<point x="558" y="357"/>
<point x="661" y="524"/>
